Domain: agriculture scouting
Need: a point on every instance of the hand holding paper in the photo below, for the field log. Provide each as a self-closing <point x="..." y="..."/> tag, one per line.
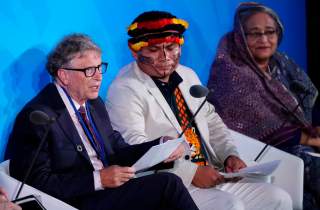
<point x="234" y="164"/>
<point x="262" y="169"/>
<point x="158" y="154"/>
<point x="178" y="153"/>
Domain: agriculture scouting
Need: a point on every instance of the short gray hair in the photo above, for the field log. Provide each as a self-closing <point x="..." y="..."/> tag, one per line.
<point x="67" y="49"/>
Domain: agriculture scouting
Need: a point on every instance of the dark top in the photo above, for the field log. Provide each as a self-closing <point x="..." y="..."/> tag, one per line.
<point x="167" y="90"/>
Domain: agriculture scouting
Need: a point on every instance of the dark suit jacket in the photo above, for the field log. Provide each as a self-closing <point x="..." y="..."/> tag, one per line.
<point x="61" y="170"/>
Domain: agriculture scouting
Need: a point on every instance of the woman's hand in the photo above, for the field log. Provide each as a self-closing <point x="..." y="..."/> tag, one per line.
<point x="308" y="140"/>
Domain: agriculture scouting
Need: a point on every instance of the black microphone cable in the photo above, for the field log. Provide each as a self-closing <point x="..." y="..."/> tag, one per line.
<point x="37" y="117"/>
<point x="284" y="123"/>
<point x="197" y="91"/>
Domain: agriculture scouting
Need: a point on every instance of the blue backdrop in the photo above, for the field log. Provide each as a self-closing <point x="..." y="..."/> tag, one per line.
<point x="30" y="28"/>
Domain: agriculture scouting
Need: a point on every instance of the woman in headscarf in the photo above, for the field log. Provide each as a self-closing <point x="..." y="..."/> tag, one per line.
<point x="260" y="92"/>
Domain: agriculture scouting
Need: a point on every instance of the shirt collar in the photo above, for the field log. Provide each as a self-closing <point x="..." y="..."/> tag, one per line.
<point x="174" y="80"/>
<point x="65" y="98"/>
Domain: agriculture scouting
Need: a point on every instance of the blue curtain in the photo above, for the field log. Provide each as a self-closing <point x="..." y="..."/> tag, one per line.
<point x="30" y="28"/>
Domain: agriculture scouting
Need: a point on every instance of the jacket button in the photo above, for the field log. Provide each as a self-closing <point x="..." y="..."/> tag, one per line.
<point x="79" y="148"/>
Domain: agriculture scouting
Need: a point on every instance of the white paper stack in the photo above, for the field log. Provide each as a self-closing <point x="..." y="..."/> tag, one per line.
<point x="157" y="154"/>
<point x="262" y="169"/>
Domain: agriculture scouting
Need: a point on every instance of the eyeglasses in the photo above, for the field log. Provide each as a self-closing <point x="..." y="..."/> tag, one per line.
<point x="90" y="71"/>
<point x="270" y="34"/>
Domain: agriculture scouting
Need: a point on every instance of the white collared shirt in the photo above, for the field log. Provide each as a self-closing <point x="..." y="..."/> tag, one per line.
<point x="96" y="163"/>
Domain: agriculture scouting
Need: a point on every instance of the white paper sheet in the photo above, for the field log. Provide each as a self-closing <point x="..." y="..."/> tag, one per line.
<point x="157" y="154"/>
<point x="262" y="169"/>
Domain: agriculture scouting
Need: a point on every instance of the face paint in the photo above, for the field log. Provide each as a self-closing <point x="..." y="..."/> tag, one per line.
<point x="159" y="60"/>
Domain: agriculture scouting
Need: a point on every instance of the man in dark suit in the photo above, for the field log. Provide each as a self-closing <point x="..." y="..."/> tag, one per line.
<point x="83" y="161"/>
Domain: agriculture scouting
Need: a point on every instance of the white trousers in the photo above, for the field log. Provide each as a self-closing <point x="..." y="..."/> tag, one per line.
<point x="241" y="195"/>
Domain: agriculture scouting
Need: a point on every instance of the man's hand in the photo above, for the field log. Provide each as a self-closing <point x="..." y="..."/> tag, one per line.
<point x="115" y="176"/>
<point x="234" y="164"/>
<point x="3" y="195"/>
<point x="178" y="153"/>
<point x="5" y="204"/>
<point x="206" y="177"/>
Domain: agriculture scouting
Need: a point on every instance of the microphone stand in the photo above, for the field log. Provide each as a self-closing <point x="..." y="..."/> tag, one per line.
<point x="187" y="157"/>
<point x="291" y="112"/>
<point x="33" y="160"/>
<point x="193" y="117"/>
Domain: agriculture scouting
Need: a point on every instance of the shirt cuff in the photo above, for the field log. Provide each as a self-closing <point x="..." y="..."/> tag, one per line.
<point x="97" y="180"/>
<point x="161" y="140"/>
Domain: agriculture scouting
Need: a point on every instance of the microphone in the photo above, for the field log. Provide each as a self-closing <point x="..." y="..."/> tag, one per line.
<point x="297" y="87"/>
<point x="197" y="91"/>
<point x="37" y="117"/>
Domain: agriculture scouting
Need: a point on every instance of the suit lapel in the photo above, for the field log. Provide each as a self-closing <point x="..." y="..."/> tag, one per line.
<point x="71" y="132"/>
<point x="65" y="122"/>
<point x="156" y="93"/>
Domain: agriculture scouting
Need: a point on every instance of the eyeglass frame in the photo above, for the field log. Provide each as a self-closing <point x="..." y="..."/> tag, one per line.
<point x="84" y="70"/>
<point x="270" y="34"/>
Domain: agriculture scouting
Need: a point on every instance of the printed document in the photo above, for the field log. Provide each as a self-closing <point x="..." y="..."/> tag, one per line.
<point x="157" y="154"/>
<point x="262" y="169"/>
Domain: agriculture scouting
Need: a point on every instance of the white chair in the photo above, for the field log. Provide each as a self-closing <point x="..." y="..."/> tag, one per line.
<point x="289" y="174"/>
<point x="11" y="186"/>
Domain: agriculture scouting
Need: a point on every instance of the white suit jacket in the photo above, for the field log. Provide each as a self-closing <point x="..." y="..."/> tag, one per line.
<point x="139" y="111"/>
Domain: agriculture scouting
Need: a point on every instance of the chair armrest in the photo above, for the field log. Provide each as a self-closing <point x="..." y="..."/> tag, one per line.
<point x="289" y="174"/>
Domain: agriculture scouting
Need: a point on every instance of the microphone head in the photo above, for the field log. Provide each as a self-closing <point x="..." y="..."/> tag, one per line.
<point x="38" y="117"/>
<point x="198" y="91"/>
